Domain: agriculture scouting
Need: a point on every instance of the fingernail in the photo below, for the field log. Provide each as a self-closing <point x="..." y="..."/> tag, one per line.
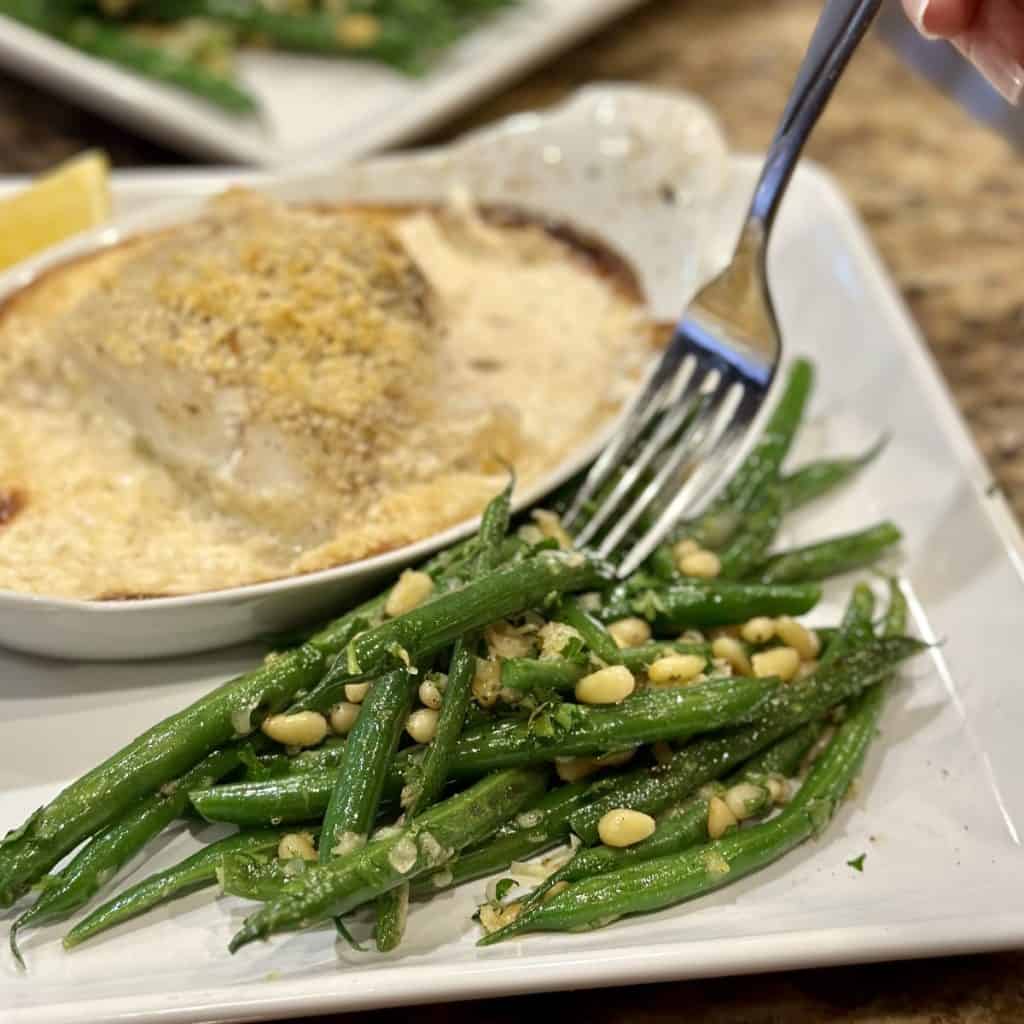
<point x="1003" y="72"/>
<point x="919" y="16"/>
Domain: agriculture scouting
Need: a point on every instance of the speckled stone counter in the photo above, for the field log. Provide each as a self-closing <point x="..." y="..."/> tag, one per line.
<point x="944" y="201"/>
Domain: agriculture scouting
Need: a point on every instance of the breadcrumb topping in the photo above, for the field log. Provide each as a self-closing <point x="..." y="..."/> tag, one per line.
<point x="272" y="390"/>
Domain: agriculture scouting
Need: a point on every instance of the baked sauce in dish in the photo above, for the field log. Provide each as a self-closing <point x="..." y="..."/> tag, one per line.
<point x="270" y="390"/>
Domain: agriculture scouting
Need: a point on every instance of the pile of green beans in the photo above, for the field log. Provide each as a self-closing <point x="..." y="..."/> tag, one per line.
<point x="190" y="44"/>
<point x="506" y="651"/>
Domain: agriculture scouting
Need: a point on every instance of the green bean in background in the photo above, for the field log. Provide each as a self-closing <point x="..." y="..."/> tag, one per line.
<point x="751" y="542"/>
<point x="595" y="636"/>
<point x="117" y="45"/>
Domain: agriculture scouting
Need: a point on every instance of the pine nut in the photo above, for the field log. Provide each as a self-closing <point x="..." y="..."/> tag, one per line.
<point x="729" y="649"/>
<point x="683" y="549"/>
<point x="304" y="729"/>
<point x="796" y="635"/>
<point x="422" y="725"/>
<point x="758" y="630"/>
<point x="691" y="636"/>
<point x="778" y="789"/>
<point x="630" y="632"/>
<point x="702" y="564"/>
<point x="551" y="527"/>
<point x="430" y="695"/>
<point x="676" y="668"/>
<point x="486" y="682"/>
<point x="778" y="661"/>
<point x="623" y="827"/>
<point x="606" y="686"/>
<point x="356" y="693"/>
<point x="343" y="717"/>
<point x="411" y="590"/>
<point x="742" y="797"/>
<point x="296" y="844"/>
<point x="720" y="818"/>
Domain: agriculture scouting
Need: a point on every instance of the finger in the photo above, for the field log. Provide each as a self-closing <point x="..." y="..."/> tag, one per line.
<point x="945" y="18"/>
<point x="994" y="44"/>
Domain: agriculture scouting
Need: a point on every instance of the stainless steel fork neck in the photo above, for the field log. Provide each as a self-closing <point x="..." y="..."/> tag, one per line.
<point x="841" y="27"/>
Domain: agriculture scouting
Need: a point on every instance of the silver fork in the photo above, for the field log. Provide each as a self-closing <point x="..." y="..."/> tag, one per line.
<point x="698" y="406"/>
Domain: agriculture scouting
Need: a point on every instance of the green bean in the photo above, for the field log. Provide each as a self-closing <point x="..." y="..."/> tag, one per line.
<point x="429" y="628"/>
<point x="595" y="636"/>
<point x="281" y="801"/>
<point x="462" y="667"/>
<point x="361" y="776"/>
<point x="708" y="757"/>
<point x="652" y="885"/>
<point x="115" y="45"/>
<point x="896" y="614"/>
<point x="701" y="604"/>
<point x="108" y="851"/>
<point x="526" y="674"/>
<point x="538" y="828"/>
<point x="195" y="872"/>
<point x="257" y="875"/>
<point x="274" y="766"/>
<point x="334" y="888"/>
<point x="393" y="906"/>
<point x="686" y="824"/>
<point x="658" y="714"/>
<point x="855" y="629"/>
<point x="392" y="910"/>
<point x="829" y="557"/>
<point x="716" y="527"/>
<point x="670" y="713"/>
<point x="815" y="479"/>
<point x="160" y="754"/>
<point x="639" y="659"/>
<point x="751" y="542"/>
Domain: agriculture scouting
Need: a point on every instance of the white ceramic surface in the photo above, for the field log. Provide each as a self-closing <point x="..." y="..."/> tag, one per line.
<point x="941" y="802"/>
<point x="312" y="107"/>
<point x="597" y="162"/>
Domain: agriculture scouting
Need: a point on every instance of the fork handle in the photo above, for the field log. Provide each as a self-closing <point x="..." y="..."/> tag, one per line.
<point x="841" y="27"/>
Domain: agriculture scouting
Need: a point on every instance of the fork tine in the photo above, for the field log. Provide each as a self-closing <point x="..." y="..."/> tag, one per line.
<point x="728" y="424"/>
<point x="641" y="412"/>
<point x="682" y="397"/>
<point x="715" y="388"/>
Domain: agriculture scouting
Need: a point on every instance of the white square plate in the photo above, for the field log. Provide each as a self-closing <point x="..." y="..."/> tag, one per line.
<point x="941" y="802"/>
<point x="312" y="107"/>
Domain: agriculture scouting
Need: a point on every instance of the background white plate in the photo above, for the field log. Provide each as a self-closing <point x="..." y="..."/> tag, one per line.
<point x="313" y="107"/>
<point x="938" y="813"/>
<point x="600" y="161"/>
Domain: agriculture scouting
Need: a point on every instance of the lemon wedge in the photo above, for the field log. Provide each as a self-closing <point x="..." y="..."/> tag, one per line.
<point x="71" y="198"/>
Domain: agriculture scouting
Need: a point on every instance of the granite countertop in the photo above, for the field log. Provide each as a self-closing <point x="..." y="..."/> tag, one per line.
<point x="944" y="201"/>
